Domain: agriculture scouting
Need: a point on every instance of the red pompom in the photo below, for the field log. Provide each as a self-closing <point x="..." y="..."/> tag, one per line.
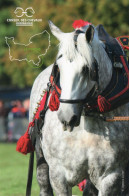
<point x="80" y="23"/>
<point x="24" y="144"/>
<point x="103" y="104"/>
<point x="82" y="185"/>
<point x="54" y="101"/>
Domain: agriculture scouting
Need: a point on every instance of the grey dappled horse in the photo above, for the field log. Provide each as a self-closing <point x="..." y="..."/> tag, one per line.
<point x="89" y="148"/>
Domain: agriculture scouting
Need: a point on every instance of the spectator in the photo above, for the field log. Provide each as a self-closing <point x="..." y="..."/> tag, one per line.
<point x="18" y="110"/>
<point x="2" y="111"/>
<point x="26" y="104"/>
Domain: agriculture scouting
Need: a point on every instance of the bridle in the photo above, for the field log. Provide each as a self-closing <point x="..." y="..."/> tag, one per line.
<point x="93" y="76"/>
<point x="91" y="95"/>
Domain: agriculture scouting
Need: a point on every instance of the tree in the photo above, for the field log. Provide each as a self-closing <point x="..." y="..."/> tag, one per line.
<point x="5" y="29"/>
<point x="112" y="14"/>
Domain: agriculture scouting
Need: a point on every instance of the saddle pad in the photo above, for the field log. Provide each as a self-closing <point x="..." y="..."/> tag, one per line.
<point x="124" y="41"/>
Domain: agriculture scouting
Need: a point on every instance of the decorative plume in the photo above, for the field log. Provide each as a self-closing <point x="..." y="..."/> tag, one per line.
<point x="80" y="23"/>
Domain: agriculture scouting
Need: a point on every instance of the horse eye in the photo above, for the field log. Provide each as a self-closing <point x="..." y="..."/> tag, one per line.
<point x="85" y="70"/>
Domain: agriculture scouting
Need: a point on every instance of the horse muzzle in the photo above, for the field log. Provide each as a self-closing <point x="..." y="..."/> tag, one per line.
<point x="69" y="115"/>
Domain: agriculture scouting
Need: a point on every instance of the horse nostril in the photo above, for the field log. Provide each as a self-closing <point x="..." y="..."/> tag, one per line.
<point x="73" y="120"/>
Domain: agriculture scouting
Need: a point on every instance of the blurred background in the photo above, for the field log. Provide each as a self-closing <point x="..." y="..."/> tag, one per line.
<point x="17" y="77"/>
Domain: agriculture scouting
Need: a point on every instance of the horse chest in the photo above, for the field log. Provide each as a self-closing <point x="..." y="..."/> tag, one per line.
<point x="87" y="151"/>
<point x="72" y="150"/>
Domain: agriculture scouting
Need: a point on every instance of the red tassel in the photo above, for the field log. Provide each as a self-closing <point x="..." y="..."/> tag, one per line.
<point x="54" y="101"/>
<point x="82" y="185"/>
<point x="103" y="104"/>
<point x="24" y="144"/>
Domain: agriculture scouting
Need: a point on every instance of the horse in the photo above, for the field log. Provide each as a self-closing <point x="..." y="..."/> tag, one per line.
<point x="73" y="146"/>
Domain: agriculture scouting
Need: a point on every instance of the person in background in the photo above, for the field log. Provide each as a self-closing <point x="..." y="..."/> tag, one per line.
<point x="26" y="105"/>
<point x="18" y="110"/>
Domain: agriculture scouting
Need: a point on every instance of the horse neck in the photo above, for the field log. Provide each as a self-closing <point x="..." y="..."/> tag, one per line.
<point x="104" y="66"/>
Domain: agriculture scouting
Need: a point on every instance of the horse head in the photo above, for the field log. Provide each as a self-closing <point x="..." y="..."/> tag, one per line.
<point x="84" y="66"/>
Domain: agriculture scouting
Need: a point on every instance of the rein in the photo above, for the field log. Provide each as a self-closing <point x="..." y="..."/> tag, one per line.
<point x="107" y="119"/>
<point x="117" y="118"/>
<point x="72" y="101"/>
<point x="81" y="101"/>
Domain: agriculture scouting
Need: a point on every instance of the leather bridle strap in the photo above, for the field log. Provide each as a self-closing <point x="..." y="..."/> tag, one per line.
<point x="117" y="118"/>
<point x="77" y="32"/>
<point x="82" y="101"/>
<point x="72" y="101"/>
<point x="30" y="174"/>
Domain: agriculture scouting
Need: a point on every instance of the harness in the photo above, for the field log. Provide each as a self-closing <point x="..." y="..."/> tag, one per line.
<point x="117" y="91"/>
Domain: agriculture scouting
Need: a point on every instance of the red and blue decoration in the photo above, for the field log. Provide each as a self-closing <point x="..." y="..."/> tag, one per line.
<point x="124" y="41"/>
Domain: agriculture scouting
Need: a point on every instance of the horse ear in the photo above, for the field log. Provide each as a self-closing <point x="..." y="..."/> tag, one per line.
<point x="89" y="34"/>
<point x="55" y="30"/>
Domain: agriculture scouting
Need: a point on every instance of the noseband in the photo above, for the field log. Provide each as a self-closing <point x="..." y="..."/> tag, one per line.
<point x="72" y="101"/>
<point x="90" y="95"/>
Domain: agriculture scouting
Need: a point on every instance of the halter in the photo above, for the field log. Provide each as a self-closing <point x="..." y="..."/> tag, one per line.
<point x="77" y="32"/>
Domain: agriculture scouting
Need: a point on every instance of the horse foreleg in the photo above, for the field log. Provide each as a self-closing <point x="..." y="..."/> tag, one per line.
<point x="59" y="183"/>
<point x="111" y="185"/>
<point x="43" y="173"/>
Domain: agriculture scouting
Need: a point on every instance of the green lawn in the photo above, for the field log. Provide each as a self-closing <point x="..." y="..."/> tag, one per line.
<point x="13" y="173"/>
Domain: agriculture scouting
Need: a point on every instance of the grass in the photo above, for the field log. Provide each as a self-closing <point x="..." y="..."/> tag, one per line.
<point x="13" y="173"/>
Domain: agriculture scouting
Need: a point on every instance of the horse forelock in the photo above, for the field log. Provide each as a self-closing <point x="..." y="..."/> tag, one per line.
<point x="83" y="52"/>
